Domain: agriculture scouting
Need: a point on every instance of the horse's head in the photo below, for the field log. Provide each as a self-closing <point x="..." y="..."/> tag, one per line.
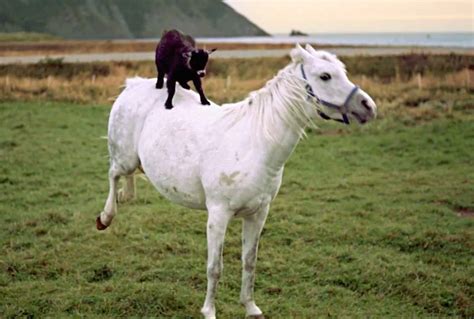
<point x="328" y="86"/>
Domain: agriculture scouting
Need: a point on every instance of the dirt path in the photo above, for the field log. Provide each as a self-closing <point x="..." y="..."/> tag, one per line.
<point x="253" y="53"/>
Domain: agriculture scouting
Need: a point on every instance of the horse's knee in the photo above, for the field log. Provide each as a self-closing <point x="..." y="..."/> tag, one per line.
<point x="249" y="267"/>
<point x="214" y="271"/>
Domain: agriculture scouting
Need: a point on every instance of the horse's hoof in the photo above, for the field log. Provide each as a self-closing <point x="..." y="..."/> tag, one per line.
<point x="260" y="316"/>
<point x="99" y="224"/>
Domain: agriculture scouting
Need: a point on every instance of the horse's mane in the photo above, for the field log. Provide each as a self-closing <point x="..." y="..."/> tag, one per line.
<point x="282" y="98"/>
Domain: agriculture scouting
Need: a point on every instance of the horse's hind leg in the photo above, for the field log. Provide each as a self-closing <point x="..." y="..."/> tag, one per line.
<point x="127" y="192"/>
<point x="110" y="209"/>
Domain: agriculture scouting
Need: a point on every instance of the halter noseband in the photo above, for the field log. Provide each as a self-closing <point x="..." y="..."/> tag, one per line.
<point x="341" y="108"/>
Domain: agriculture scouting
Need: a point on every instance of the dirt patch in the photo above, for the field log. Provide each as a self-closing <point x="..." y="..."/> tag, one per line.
<point x="465" y="212"/>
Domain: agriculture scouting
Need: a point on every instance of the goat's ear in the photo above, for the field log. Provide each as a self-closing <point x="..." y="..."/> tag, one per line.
<point x="211" y="50"/>
<point x="298" y="54"/>
<point x="187" y="55"/>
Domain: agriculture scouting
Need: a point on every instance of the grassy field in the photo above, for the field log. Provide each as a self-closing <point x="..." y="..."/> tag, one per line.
<point x="370" y="221"/>
<point x="373" y="221"/>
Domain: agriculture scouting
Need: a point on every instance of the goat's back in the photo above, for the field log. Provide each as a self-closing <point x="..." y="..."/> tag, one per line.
<point x="171" y="47"/>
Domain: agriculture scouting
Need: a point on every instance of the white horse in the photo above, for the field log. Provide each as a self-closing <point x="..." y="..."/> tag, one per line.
<point x="227" y="160"/>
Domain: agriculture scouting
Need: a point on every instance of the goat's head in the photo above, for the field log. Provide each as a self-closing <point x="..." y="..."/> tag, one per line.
<point x="197" y="60"/>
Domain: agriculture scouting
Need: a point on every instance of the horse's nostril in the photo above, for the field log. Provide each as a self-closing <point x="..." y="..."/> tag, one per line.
<point x="365" y="104"/>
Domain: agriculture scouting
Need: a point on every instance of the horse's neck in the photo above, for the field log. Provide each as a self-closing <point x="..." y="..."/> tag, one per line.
<point x="277" y="115"/>
<point x="275" y="154"/>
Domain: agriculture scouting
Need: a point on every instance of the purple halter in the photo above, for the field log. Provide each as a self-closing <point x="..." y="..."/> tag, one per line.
<point x="341" y="108"/>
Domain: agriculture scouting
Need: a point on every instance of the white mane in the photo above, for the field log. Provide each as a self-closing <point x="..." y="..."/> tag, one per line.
<point x="283" y="97"/>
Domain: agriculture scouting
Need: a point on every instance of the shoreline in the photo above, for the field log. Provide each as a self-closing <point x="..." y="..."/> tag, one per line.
<point x="71" y="51"/>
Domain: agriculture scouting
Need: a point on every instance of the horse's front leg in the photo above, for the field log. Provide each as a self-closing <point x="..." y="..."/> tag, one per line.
<point x="217" y="222"/>
<point x="251" y="230"/>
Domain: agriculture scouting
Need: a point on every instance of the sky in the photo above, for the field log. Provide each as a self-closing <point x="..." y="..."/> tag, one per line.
<point x="351" y="16"/>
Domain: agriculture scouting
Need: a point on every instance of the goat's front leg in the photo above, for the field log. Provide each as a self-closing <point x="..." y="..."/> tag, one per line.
<point x="198" y="86"/>
<point x="217" y="222"/>
<point x="251" y="230"/>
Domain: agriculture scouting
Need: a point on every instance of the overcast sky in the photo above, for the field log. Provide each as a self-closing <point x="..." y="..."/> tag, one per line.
<point x="317" y="16"/>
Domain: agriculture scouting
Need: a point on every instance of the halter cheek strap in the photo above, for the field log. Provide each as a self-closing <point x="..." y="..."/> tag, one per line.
<point x="343" y="109"/>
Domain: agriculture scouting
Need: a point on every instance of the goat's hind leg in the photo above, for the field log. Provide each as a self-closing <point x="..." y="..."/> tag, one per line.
<point x="159" y="78"/>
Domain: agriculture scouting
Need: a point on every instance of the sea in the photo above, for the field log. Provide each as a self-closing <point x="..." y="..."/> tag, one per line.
<point x="436" y="39"/>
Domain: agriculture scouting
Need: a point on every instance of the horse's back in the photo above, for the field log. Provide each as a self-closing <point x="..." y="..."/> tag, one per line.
<point x="141" y="102"/>
<point x="167" y="143"/>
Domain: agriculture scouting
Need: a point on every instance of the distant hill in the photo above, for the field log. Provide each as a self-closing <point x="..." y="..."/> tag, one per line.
<point x="112" y="19"/>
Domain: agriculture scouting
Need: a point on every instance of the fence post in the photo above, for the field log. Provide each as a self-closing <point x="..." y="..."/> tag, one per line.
<point x="228" y="82"/>
<point x="468" y="78"/>
<point x="419" y="80"/>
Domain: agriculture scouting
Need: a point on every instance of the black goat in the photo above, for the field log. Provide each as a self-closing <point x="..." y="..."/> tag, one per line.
<point x="178" y="58"/>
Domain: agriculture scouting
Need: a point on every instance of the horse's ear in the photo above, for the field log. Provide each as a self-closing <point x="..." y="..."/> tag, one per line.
<point x="310" y="49"/>
<point x="298" y="54"/>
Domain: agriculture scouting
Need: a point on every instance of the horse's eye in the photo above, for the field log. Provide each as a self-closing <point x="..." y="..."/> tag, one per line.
<point x="325" y="76"/>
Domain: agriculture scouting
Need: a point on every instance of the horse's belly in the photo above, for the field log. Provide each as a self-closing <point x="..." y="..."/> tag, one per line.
<point x="169" y="154"/>
<point x="178" y="182"/>
<point x="192" y="197"/>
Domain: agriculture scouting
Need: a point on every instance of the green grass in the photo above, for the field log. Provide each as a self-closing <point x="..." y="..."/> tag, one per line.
<point x="366" y="225"/>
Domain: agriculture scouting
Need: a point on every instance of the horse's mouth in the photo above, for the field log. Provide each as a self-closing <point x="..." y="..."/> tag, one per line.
<point x="359" y="118"/>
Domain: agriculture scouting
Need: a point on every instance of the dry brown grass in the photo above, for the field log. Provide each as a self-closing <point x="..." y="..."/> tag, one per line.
<point x="232" y="80"/>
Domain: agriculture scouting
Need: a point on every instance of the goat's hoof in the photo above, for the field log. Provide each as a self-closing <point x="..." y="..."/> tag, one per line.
<point x="168" y="107"/>
<point x="99" y="224"/>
